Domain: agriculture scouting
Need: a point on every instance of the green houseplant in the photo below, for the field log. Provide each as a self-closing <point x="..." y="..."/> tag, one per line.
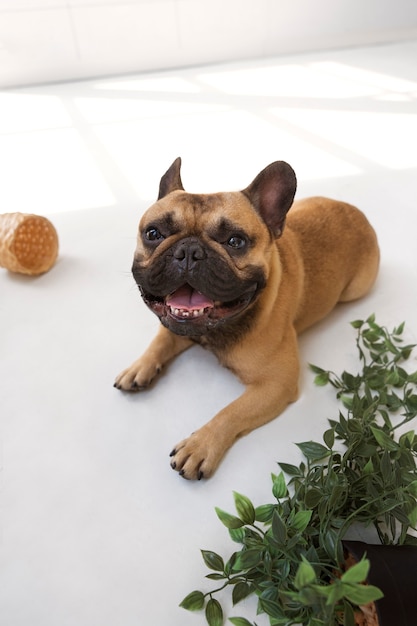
<point x="291" y="553"/>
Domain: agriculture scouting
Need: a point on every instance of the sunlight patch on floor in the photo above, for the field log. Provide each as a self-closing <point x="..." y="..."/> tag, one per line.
<point x="323" y="117"/>
<point x="388" y="139"/>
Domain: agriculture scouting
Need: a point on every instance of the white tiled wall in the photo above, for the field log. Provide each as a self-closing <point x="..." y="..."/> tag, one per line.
<point x="49" y="40"/>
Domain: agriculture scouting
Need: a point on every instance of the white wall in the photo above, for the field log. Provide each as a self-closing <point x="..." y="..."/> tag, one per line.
<point x="50" y="40"/>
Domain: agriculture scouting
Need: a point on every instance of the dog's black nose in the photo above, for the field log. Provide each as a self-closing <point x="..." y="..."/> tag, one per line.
<point x="188" y="252"/>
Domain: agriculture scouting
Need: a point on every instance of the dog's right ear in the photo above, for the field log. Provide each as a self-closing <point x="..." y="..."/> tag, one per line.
<point x="272" y="194"/>
<point x="171" y="180"/>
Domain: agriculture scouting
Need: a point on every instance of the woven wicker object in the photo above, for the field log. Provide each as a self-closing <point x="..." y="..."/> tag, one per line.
<point x="28" y="243"/>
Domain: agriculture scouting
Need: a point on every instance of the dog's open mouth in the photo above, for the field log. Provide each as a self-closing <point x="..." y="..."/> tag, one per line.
<point x="187" y="304"/>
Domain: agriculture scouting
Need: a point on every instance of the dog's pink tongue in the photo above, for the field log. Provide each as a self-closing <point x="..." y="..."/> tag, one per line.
<point x="188" y="298"/>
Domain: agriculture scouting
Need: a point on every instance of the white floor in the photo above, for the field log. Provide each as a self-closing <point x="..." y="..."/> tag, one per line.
<point x="96" y="527"/>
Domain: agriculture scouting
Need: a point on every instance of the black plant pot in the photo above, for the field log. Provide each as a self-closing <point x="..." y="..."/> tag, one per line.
<point x="394" y="571"/>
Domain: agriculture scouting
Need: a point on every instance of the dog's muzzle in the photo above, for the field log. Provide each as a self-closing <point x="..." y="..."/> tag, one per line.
<point x="188" y="311"/>
<point x="192" y="289"/>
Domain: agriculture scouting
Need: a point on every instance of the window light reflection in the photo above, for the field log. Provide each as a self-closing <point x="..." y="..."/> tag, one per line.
<point x="388" y="139"/>
<point x="288" y="81"/>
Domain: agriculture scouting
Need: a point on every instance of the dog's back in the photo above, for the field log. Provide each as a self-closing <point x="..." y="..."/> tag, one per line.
<point x="340" y="255"/>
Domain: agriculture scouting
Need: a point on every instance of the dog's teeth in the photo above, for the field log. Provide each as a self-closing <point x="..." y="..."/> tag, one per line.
<point x="184" y="313"/>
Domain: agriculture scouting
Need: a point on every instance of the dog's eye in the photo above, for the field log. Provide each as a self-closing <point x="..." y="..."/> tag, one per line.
<point x="236" y="242"/>
<point x="153" y="234"/>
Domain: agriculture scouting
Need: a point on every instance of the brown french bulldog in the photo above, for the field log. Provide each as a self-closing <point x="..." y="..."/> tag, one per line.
<point x="218" y="270"/>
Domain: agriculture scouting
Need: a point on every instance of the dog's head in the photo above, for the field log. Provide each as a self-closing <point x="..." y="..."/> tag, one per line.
<point x="203" y="259"/>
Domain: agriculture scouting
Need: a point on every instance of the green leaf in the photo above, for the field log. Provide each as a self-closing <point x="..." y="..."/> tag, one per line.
<point x="239" y="621"/>
<point x="357" y="323"/>
<point x="413" y="377"/>
<point x="241" y="591"/>
<point x="371" y="335"/>
<point x="322" y="379"/>
<point x="412" y="516"/>
<point x="406" y="351"/>
<point x="399" y="330"/>
<point x="193" y="602"/>
<point x="301" y="520"/>
<point x="407" y="439"/>
<point x="376" y="382"/>
<point x="369" y="467"/>
<point x="271" y="608"/>
<point x="278" y="528"/>
<point x="412" y="402"/>
<point x="328" y="438"/>
<point x="244" y="508"/>
<point x="247" y="559"/>
<point x="384" y="440"/>
<point x="385" y="465"/>
<point x="230" y="521"/>
<point x="315" y="369"/>
<point x="412" y="488"/>
<point x="305" y="575"/>
<point x="313" y="451"/>
<point x="270" y="593"/>
<point x="348" y="615"/>
<point x="350" y="381"/>
<point x="237" y="534"/>
<point x="214" y="613"/>
<point x="279" y="486"/>
<point x="347" y="401"/>
<point x="264" y="513"/>
<point x="401" y="516"/>
<point x="213" y="560"/>
<point x="338" y="496"/>
<point x="361" y="594"/>
<point x="291" y="470"/>
<point x="357" y="573"/>
<point x="230" y="564"/>
<point x="333" y="593"/>
<point x="393" y="378"/>
<point x="331" y="543"/>
<point x="313" y="497"/>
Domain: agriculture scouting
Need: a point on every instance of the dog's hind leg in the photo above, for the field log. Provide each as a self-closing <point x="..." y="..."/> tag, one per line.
<point x="366" y="273"/>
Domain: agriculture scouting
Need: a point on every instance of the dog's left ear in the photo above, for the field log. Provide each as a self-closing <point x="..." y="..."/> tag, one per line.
<point x="171" y="180"/>
<point x="272" y="194"/>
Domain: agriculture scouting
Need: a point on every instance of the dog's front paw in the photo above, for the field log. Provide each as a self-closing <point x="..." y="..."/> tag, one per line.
<point x="196" y="457"/>
<point x="138" y="376"/>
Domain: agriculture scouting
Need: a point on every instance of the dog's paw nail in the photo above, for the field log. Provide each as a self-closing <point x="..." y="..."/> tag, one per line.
<point x="173" y="465"/>
<point x="200" y="475"/>
<point x="182" y="474"/>
<point x="173" y="452"/>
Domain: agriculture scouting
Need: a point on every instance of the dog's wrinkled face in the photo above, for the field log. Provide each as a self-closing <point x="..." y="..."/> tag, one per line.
<point x="201" y="260"/>
<point x="196" y="264"/>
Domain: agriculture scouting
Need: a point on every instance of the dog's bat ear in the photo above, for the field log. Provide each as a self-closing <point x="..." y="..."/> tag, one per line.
<point x="171" y="180"/>
<point x="272" y="194"/>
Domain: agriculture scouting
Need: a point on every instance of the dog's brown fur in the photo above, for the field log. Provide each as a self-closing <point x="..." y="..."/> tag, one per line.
<point x="327" y="254"/>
